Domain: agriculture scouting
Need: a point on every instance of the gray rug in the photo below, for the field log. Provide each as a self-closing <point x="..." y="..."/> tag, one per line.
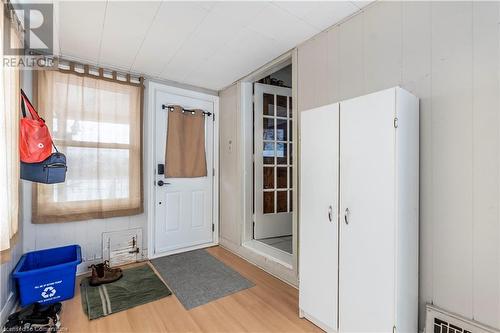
<point x="196" y="277"/>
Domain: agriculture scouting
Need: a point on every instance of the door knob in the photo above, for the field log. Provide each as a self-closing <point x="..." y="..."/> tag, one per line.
<point x="161" y="183"/>
<point x="346" y="215"/>
<point x="330" y="213"/>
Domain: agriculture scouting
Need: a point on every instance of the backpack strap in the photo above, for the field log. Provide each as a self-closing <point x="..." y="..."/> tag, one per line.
<point x="25" y="101"/>
<point x="53" y="145"/>
<point x="23" y="108"/>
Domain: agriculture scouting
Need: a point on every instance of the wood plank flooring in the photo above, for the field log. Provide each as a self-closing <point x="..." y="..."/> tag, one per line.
<point x="270" y="306"/>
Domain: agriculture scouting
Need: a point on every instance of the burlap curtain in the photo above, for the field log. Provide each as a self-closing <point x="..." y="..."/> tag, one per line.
<point x="9" y="145"/>
<point x="185" y="147"/>
<point x="97" y="123"/>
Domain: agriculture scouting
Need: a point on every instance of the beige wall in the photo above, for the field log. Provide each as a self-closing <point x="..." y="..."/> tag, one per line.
<point x="229" y="167"/>
<point x="448" y="55"/>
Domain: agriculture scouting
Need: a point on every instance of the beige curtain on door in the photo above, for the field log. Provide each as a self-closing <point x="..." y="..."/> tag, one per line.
<point x="185" y="148"/>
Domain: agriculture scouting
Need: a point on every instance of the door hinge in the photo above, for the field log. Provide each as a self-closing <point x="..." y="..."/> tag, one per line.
<point x="213" y="227"/>
<point x="394" y="329"/>
<point x="395" y="122"/>
<point x="213" y="174"/>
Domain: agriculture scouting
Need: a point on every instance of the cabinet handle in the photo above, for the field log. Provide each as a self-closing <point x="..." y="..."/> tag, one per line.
<point x="330" y="213"/>
<point x="346" y="216"/>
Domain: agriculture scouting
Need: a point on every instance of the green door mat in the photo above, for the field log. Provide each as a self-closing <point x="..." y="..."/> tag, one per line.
<point x="139" y="285"/>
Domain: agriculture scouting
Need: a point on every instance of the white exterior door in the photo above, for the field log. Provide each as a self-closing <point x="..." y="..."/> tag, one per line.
<point x="367" y="214"/>
<point x="318" y="269"/>
<point x="183" y="206"/>
<point x="273" y="161"/>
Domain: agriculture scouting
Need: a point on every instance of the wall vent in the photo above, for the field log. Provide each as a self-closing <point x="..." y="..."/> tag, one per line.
<point x="441" y="321"/>
<point x="122" y="247"/>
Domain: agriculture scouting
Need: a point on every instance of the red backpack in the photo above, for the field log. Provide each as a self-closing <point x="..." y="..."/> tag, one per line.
<point x="35" y="143"/>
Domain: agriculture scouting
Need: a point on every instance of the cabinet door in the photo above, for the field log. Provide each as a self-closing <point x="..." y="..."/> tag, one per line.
<point x="318" y="256"/>
<point x="367" y="231"/>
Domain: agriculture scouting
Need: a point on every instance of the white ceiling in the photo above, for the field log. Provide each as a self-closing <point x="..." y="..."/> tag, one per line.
<point x="206" y="44"/>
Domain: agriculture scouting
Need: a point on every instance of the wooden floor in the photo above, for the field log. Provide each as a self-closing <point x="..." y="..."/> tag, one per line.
<point x="270" y="306"/>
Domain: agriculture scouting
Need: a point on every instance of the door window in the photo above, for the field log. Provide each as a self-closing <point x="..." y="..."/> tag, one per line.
<point x="276" y="153"/>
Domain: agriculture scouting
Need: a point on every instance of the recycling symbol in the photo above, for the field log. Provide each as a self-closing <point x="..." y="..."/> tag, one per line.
<point x="48" y="292"/>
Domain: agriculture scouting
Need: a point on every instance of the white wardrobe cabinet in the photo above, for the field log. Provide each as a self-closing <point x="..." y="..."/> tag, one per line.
<point x="358" y="224"/>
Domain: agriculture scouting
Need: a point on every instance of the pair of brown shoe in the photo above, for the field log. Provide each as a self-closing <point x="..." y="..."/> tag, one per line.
<point x="102" y="273"/>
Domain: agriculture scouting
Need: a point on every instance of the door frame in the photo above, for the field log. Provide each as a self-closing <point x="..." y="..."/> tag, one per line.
<point x="252" y="250"/>
<point x="152" y="89"/>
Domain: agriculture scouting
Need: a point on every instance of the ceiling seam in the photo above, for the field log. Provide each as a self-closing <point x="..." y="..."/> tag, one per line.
<point x="247" y="26"/>
<point x="146" y="35"/>
<point x="102" y="32"/>
<point x="185" y="41"/>
<point x="354" y="3"/>
<point x="317" y="29"/>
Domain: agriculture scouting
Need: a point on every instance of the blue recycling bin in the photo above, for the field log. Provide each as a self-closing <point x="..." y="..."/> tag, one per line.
<point x="47" y="276"/>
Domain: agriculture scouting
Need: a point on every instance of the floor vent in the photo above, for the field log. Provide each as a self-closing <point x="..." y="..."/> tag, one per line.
<point x="122" y="247"/>
<point x="441" y="321"/>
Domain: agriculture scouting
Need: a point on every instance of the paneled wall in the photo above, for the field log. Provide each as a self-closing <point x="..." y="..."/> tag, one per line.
<point x="229" y="167"/>
<point x="446" y="53"/>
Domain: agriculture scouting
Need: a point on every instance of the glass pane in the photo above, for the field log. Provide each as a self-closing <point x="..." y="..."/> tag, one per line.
<point x="290" y="131"/>
<point x="291" y="177"/>
<point x="291" y="154"/>
<point x="268" y="177"/>
<point x="290" y="107"/>
<point x="268" y="202"/>
<point x="268" y="105"/>
<point x="92" y="131"/>
<point x="89" y="180"/>
<point x="282" y="201"/>
<point x="281" y="153"/>
<point x="281" y="130"/>
<point x="291" y="199"/>
<point x="268" y="153"/>
<point x="281" y="177"/>
<point x="268" y="128"/>
<point x="281" y="109"/>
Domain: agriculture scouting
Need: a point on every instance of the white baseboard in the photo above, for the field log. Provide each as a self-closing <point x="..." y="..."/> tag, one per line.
<point x="8" y="308"/>
<point x="272" y="267"/>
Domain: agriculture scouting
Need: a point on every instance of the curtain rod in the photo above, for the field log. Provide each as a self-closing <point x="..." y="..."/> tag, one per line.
<point x="171" y="108"/>
<point x="93" y="71"/>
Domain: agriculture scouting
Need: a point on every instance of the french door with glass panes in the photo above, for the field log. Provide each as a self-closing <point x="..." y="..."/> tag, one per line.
<point x="273" y="161"/>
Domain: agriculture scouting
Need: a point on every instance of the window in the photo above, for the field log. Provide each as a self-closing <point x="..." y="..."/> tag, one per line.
<point x="9" y="144"/>
<point x="277" y="154"/>
<point x="97" y="123"/>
